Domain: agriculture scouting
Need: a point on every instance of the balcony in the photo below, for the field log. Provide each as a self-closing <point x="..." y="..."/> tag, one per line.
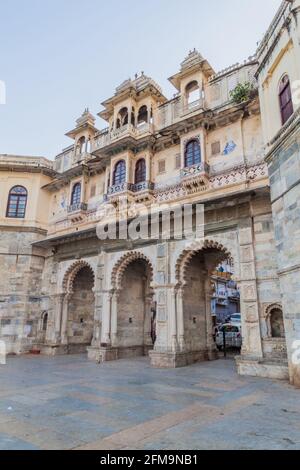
<point x="196" y="177"/>
<point x="77" y="212"/>
<point x="139" y="192"/>
<point x="129" y="132"/>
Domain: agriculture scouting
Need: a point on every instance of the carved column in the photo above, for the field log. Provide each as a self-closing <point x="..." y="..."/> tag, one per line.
<point x="252" y="343"/>
<point x="64" y="322"/>
<point x="114" y="318"/>
<point x="147" y="321"/>
<point x="172" y="319"/>
<point x="106" y="319"/>
<point x="58" y="314"/>
<point x="180" y="319"/>
<point x="211" y="346"/>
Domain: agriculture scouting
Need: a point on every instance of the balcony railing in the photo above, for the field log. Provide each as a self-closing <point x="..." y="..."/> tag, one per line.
<point x="175" y="110"/>
<point x="145" y="186"/>
<point x="108" y="137"/>
<point x="80" y="207"/>
<point x="129" y="187"/>
<point x="195" y="170"/>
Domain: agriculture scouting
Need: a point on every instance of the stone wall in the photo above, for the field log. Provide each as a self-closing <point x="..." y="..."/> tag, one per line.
<point x="194" y="306"/>
<point x="81" y="309"/>
<point x="21" y="268"/>
<point x="284" y="169"/>
<point x="131" y="307"/>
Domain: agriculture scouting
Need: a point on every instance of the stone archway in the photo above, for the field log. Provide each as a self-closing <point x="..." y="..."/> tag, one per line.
<point x="132" y="305"/>
<point x="196" y="247"/>
<point x="194" y="288"/>
<point x="78" y="307"/>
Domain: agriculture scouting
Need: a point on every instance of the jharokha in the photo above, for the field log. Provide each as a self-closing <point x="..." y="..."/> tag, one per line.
<point x="229" y="141"/>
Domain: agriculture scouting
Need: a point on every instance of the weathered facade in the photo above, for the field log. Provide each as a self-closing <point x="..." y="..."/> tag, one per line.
<point x="279" y="83"/>
<point x="65" y="290"/>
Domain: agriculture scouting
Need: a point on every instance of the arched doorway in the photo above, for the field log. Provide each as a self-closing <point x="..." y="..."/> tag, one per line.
<point x="195" y="272"/>
<point x="81" y="306"/>
<point x="135" y="311"/>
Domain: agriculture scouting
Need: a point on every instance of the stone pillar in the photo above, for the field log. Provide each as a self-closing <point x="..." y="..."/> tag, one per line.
<point x="58" y="314"/>
<point x="147" y="322"/>
<point x="172" y="318"/>
<point x="252" y="343"/>
<point x="180" y="319"/>
<point x="114" y="319"/>
<point x="97" y="320"/>
<point x="210" y="344"/>
<point x="106" y="319"/>
<point x="64" y="322"/>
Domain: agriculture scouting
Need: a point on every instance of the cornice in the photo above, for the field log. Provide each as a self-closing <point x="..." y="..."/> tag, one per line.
<point x="22" y="229"/>
<point x="286" y="132"/>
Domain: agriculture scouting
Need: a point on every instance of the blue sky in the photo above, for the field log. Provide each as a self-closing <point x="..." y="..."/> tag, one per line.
<point x="59" y="56"/>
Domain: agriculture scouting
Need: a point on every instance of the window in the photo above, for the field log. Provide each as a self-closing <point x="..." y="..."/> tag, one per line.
<point x="122" y="118"/>
<point x="285" y="99"/>
<point x="216" y="148"/>
<point x="120" y="173"/>
<point x="17" y="201"/>
<point x="140" y="171"/>
<point x="277" y="325"/>
<point x="192" y="153"/>
<point x="143" y="115"/>
<point x="81" y="144"/>
<point x="192" y="92"/>
<point x="162" y="166"/>
<point x="76" y="194"/>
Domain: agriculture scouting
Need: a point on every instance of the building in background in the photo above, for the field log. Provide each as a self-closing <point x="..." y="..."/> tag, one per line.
<point x="226" y="296"/>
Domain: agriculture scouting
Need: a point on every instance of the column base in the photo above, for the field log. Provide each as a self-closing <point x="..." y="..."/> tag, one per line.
<point x="53" y="349"/>
<point x="172" y="360"/>
<point x="57" y="349"/>
<point x="258" y="367"/>
<point x="294" y="375"/>
<point x="106" y="354"/>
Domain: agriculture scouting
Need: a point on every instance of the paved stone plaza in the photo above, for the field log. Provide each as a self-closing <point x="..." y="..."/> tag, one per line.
<point x="68" y="403"/>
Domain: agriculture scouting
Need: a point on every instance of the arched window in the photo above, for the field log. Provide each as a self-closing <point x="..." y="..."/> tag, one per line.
<point x="192" y="92"/>
<point x="143" y="115"/>
<point x="140" y="171"/>
<point x="192" y="153"/>
<point x="81" y="144"/>
<point x="76" y="194"/>
<point x="120" y="173"/>
<point x="277" y="324"/>
<point x="285" y="99"/>
<point x="17" y="201"/>
<point x="122" y="118"/>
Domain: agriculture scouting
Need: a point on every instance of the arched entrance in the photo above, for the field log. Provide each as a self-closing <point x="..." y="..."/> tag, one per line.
<point x="196" y="290"/>
<point x="134" y="331"/>
<point x="78" y="322"/>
